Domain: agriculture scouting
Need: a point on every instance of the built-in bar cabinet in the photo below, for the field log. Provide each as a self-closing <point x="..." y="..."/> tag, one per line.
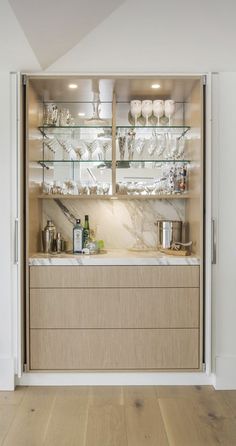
<point x="87" y="151"/>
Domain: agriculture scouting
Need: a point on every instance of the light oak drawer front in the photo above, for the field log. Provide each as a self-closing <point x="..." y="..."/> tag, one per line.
<point x="113" y="276"/>
<point x="114" y="308"/>
<point x="114" y="349"/>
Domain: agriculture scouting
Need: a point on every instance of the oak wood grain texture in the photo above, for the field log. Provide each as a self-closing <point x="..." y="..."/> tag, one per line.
<point x="144" y="422"/>
<point x="127" y="416"/>
<point x="114" y="308"/>
<point x="113" y="276"/>
<point x="30" y="424"/>
<point x="12" y="398"/>
<point x="7" y="415"/>
<point x="202" y="420"/>
<point x="68" y="419"/>
<point x="116" y="349"/>
<point x="106" y="417"/>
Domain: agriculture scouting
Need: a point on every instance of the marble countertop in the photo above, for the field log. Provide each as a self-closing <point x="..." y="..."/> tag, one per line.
<point x="113" y="257"/>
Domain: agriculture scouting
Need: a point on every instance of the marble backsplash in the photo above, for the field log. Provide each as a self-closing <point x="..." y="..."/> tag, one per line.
<point x="121" y="224"/>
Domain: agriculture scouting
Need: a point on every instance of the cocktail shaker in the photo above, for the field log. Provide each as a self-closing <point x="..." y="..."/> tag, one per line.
<point x="48" y="236"/>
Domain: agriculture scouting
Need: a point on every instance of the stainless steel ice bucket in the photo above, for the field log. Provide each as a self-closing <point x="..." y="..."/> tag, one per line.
<point x="168" y="232"/>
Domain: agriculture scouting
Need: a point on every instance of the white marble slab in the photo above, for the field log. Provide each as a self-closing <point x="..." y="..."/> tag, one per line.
<point x="113" y="257"/>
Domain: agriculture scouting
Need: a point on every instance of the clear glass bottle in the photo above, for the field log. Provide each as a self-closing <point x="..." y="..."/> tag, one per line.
<point x="77" y="237"/>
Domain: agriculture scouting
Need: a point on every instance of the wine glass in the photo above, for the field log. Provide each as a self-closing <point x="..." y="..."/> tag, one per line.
<point x="147" y="109"/>
<point x="158" y="109"/>
<point x="136" y="109"/>
<point x="169" y="108"/>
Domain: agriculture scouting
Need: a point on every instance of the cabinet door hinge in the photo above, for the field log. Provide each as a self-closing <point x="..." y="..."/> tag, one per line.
<point x="204" y="80"/>
<point x="24" y="79"/>
<point x="203" y="367"/>
<point x="25" y="368"/>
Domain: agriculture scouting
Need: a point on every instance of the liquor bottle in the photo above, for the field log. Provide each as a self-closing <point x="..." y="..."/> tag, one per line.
<point x="77" y="237"/>
<point x="86" y="232"/>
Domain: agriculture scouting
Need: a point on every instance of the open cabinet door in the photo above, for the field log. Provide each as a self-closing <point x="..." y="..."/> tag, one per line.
<point x="17" y="253"/>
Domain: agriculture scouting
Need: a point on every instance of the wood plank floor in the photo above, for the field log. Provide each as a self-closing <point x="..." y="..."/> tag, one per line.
<point x="118" y="416"/>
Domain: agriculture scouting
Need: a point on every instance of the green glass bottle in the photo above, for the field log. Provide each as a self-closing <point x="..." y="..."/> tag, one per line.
<point x="86" y="231"/>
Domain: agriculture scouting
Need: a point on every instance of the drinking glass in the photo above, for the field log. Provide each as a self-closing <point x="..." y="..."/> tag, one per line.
<point x="82" y="151"/>
<point x="160" y="144"/>
<point x="91" y="146"/>
<point x="131" y="141"/>
<point x="169" y="109"/>
<point x="181" y="147"/>
<point x="136" y="109"/>
<point x="158" y="109"/>
<point x="147" y="109"/>
<point x="122" y="146"/>
<point x="51" y="144"/>
<point x="139" y="146"/>
<point x="106" y="146"/>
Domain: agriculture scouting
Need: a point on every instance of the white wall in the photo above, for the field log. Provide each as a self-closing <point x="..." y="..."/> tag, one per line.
<point x="158" y="36"/>
<point x="15" y="54"/>
<point x="225" y="269"/>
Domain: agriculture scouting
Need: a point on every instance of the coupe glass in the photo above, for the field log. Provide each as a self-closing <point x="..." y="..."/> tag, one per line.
<point x="136" y="109"/>
<point x="147" y="109"/>
<point x="169" y="109"/>
<point x="158" y="109"/>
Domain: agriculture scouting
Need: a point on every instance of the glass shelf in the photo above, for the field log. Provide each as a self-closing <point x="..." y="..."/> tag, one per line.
<point x="56" y="127"/>
<point x="44" y="163"/>
<point x="178" y="130"/>
<point x="117" y="197"/>
<point x="124" y="163"/>
<point x="118" y="162"/>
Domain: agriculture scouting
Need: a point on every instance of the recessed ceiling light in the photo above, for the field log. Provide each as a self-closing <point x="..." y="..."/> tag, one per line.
<point x="73" y="86"/>
<point x="81" y="114"/>
<point x="155" y="86"/>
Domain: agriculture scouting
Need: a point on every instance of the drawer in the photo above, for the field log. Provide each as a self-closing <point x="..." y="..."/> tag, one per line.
<point x="114" y="308"/>
<point x="114" y="349"/>
<point x="113" y="276"/>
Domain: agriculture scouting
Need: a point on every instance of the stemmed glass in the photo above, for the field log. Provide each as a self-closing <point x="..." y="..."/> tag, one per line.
<point x="158" y="109"/>
<point x="122" y="146"/>
<point x="51" y="144"/>
<point x="131" y="141"/>
<point x="160" y="143"/>
<point x="106" y="146"/>
<point x="181" y="147"/>
<point x="67" y="147"/>
<point x="91" y="146"/>
<point x="82" y="152"/>
<point x="169" y="108"/>
<point x="136" y="109"/>
<point x="147" y="109"/>
<point x="139" y="146"/>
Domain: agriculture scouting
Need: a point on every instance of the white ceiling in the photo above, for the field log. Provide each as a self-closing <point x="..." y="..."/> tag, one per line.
<point x="53" y="27"/>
